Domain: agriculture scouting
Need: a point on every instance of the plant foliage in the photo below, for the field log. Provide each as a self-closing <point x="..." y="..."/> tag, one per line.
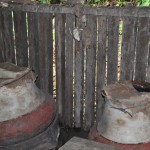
<point x="144" y="3"/>
<point x="120" y="3"/>
<point x="49" y="1"/>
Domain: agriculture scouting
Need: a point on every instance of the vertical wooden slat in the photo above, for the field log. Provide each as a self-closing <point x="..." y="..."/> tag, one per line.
<point x="79" y="78"/>
<point x="128" y="48"/>
<point x="68" y="116"/>
<point x="8" y="36"/>
<point x="148" y="67"/>
<point x="60" y="63"/>
<point x="21" y="38"/>
<point x="34" y="45"/>
<point x="45" y="40"/>
<point x="90" y="45"/>
<point x="101" y="64"/>
<point x="112" y="54"/>
<point x="142" y="49"/>
<point x="2" y="54"/>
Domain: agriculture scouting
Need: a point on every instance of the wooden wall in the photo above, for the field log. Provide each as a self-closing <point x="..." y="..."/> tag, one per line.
<point x="77" y="51"/>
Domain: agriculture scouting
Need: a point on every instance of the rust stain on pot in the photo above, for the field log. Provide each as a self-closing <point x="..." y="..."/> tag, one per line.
<point x="120" y="122"/>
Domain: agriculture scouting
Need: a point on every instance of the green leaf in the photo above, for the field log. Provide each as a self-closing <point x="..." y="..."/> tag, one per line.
<point x="144" y="3"/>
<point x="44" y="1"/>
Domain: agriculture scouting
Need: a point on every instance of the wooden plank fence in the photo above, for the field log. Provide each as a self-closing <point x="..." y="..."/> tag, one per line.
<point x="84" y="43"/>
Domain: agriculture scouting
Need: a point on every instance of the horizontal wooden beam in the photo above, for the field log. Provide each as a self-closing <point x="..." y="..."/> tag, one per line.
<point x="41" y="8"/>
<point x="117" y="11"/>
<point x="71" y="9"/>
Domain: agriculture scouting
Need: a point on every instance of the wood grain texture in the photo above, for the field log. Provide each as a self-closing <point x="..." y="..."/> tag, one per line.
<point x="142" y="49"/>
<point x="128" y="48"/>
<point x="2" y="52"/>
<point x="60" y="64"/>
<point x="112" y="53"/>
<point x="148" y="67"/>
<point x="101" y="65"/>
<point x="79" y="78"/>
<point x="109" y="11"/>
<point x="68" y="115"/>
<point x="21" y="38"/>
<point x="45" y="42"/>
<point x="90" y="45"/>
<point x="34" y="45"/>
<point x="8" y="36"/>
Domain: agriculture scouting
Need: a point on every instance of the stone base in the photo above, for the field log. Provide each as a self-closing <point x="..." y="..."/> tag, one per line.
<point x="77" y="143"/>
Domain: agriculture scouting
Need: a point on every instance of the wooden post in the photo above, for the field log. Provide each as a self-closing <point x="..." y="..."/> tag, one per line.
<point x="2" y="54"/>
<point x="90" y="35"/>
<point x="101" y="65"/>
<point x="142" y="49"/>
<point x="21" y="38"/>
<point x="7" y="30"/>
<point x="128" y="48"/>
<point x="79" y="70"/>
<point x="60" y="63"/>
<point x="68" y="115"/>
<point x="112" y="53"/>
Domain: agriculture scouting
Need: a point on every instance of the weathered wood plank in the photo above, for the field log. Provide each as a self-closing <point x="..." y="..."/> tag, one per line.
<point x="60" y="63"/>
<point x="77" y="143"/>
<point x="79" y="77"/>
<point x="142" y="49"/>
<point x="112" y="53"/>
<point x="148" y="67"/>
<point x="101" y="65"/>
<point x="8" y="36"/>
<point x="110" y="11"/>
<point x="2" y="53"/>
<point x="90" y="36"/>
<point x="34" y="45"/>
<point x="68" y="116"/>
<point x="117" y="11"/>
<point x="128" y="48"/>
<point x="21" y="38"/>
<point x="45" y="40"/>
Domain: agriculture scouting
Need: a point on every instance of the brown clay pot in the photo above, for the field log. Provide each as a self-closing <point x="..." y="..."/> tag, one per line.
<point x="126" y="116"/>
<point x="25" y="111"/>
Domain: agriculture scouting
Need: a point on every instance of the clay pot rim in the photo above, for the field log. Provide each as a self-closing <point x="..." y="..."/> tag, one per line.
<point x="26" y="72"/>
<point x="141" y="85"/>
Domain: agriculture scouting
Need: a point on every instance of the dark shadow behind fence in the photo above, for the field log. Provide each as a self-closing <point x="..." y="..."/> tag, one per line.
<point x="76" y="51"/>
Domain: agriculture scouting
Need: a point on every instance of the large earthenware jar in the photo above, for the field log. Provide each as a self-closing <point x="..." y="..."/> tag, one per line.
<point x="25" y="111"/>
<point x="126" y="116"/>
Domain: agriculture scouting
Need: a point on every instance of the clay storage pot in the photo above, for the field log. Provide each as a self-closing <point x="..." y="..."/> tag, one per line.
<point x="125" y="121"/>
<point x="28" y="117"/>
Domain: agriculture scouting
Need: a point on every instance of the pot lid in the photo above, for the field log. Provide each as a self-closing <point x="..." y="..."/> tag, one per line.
<point x="124" y="94"/>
